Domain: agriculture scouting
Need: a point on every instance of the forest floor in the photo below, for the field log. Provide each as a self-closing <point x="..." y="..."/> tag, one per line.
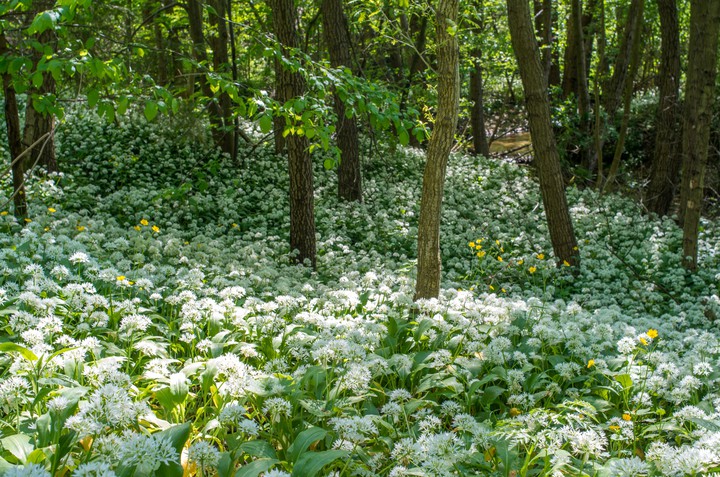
<point x="155" y="319"/>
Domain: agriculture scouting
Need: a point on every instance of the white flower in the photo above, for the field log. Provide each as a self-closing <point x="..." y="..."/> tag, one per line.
<point x="204" y="455"/>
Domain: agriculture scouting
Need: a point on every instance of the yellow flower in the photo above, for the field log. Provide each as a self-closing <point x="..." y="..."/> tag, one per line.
<point x="643" y="341"/>
<point x="575" y="248"/>
<point x="234" y="225"/>
<point x="614" y="428"/>
<point x="80" y="228"/>
<point x="144" y="222"/>
<point x="471" y="244"/>
<point x="591" y="363"/>
<point x="541" y="256"/>
<point x="503" y="290"/>
<point x="652" y="333"/>
<point x="51" y="210"/>
<point x="521" y="261"/>
<point x="497" y="242"/>
<point x="4" y="213"/>
<point x="627" y="417"/>
<point x="120" y="278"/>
<point x="532" y="269"/>
<point x="566" y="263"/>
<point x="137" y="227"/>
<point x="480" y="254"/>
<point x="492" y="287"/>
<point x="500" y="259"/>
<point x="27" y="221"/>
<point x="155" y="228"/>
<point x="515" y="411"/>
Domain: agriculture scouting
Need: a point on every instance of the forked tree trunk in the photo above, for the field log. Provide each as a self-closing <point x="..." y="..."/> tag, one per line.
<point x="12" y="121"/>
<point x="666" y="164"/>
<point x="291" y="85"/>
<point x="697" y="118"/>
<point x="441" y="141"/>
<point x="547" y="158"/>
<point x="337" y="37"/>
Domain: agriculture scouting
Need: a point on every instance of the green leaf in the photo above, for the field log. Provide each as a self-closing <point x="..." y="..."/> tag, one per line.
<point x="313" y="462"/>
<point x="266" y="123"/>
<point x="19" y="446"/>
<point x="625" y="380"/>
<point x="304" y="440"/>
<point x="151" y="110"/>
<point x="258" y="448"/>
<point x="256" y="467"/>
<point x="713" y="426"/>
<point x="328" y="164"/>
<point x="92" y="97"/>
<point x="16" y="348"/>
<point x="122" y="105"/>
<point x="403" y="137"/>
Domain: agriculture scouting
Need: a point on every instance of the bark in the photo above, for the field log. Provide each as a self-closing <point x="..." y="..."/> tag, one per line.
<point x="543" y="27"/>
<point x="215" y="111"/>
<point x="627" y="98"/>
<point x="613" y="92"/>
<point x="289" y="85"/>
<point x="39" y="124"/>
<point x="547" y="158"/>
<point x="337" y="38"/>
<point x="477" y="113"/>
<point x="697" y="118"/>
<point x="440" y="144"/>
<point x="12" y="122"/>
<point x="221" y="63"/>
<point x="666" y="165"/>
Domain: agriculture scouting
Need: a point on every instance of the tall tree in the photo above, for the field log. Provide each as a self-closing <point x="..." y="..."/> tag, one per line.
<point x="666" y="165"/>
<point x="40" y="123"/>
<point x="291" y="84"/>
<point x="12" y="121"/>
<point x="547" y="158"/>
<point x="441" y="141"/>
<point x="697" y="117"/>
<point x="477" y="113"/>
<point x="337" y="37"/>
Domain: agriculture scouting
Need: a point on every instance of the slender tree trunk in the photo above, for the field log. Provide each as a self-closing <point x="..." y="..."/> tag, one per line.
<point x="477" y="113"/>
<point x="543" y="27"/>
<point x="552" y="188"/>
<point x="221" y="63"/>
<point x="12" y="121"/>
<point x="441" y="141"/>
<point x="215" y="111"/>
<point x="291" y="85"/>
<point x="573" y="48"/>
<point x="666" y="164"/>
<point x="337" y="37"/>
<point x="697" y="118"/>
<point x="627" y="99"/>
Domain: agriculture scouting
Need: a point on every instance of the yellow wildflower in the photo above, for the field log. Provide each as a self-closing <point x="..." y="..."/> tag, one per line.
<point x="4" y="213"/>
<point x="643" y="341"/>
<point x="80" y="228"/>
<point x="566" y="263"/>
<point x="500" y="259"/>
<point x="481" y="254"/>
<point x="27" y="221"/>
<point x="471" y="244"/>
<point x="155" y="228"/>
<point x="144" y="222"/>
<point x="51" y="210"/>
<point x="541" y="256"/>
<point x="521" y="261"/>
<point x="614" y="428"/>
<point x="532" y="269"/>
<point x="627" y="417"/>
<point x="652" y="333"/>
<point x="591" y="363"/>
<point x="137" y="227"/>
<point x="120" y="278"/>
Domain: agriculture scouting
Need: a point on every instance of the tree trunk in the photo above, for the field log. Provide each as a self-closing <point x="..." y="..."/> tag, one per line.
<point x="697" y="118"/>
<point x="572" y="49"/>
<point x="221" y="63"/>
<point x="441" y="141"/>
<point x="337" y="37"/>
<point x="12" y="121"/>
<point x="215" y="111"/>
<point x="552" y="188"/>
<point x="39" y="124"/>
<point x="627" y="99"/>
<point x="477" y="113"/>
<point x="543" y="27"/>
<point x="291" y="85"/>
<point x="666" y="165"/>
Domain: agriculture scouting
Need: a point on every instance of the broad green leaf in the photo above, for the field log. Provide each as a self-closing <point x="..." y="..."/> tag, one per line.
<point x="304" y="440"/>
<point x="16" y="348"/>
<point x="19" y="446"/>
<point x="178" y="436"/>
<point x="256" y="467"/>
<point x="403" y="137"/>
<point x="625" y="380"/>
<point x="151" y="110"/>
<point x="310" y="463"/>
<point x="258" y="448"/>
<point x="266" y="123"/>
<point x="92" y="97"/>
